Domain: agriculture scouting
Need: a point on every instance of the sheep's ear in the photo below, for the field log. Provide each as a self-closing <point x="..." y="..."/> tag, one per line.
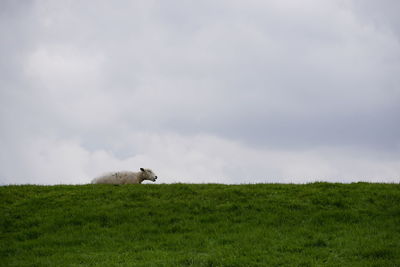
<point x="142" y="169"/>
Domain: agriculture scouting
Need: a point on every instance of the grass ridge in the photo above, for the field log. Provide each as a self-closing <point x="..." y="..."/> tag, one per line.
<point x="317" y="224"/>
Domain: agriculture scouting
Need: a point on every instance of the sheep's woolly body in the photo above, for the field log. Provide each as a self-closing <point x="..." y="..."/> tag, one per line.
<point x="125" y="177"/>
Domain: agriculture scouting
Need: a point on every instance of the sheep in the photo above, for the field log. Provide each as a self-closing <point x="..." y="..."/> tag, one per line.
<point x="126" y="177"/>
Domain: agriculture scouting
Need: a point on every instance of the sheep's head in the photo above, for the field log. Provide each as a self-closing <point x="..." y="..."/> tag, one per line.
<point x="148" y="174"/>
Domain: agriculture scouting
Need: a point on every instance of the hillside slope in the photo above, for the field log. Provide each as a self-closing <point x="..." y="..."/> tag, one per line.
<point x="316" y="224"/>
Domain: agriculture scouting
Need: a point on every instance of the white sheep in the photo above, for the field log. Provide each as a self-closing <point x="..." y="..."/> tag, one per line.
<point x="126" y="177"/>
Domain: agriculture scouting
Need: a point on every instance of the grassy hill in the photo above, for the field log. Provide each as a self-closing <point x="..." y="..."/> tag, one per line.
<point x="316" y="224"/>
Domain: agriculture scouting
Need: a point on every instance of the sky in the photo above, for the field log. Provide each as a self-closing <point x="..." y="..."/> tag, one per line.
<point x="221" y="91"/>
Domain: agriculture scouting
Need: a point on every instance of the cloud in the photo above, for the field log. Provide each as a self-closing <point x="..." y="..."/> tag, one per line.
<point x="200" y="158"/>
<point x="223" y="91"/>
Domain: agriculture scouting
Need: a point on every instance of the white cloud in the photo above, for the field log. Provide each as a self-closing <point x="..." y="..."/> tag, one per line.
<point x="200" y="158"/>
<point x="224" y="91"/>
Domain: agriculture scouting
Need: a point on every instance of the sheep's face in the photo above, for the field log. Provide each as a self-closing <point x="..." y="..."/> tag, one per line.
<point x="148" y="175"/>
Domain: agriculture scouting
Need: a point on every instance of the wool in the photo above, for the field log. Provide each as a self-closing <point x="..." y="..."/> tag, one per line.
<point x="126" y="177"/>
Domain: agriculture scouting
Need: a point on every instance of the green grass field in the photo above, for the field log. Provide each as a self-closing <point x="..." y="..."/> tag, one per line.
<point x="318" y="224"/>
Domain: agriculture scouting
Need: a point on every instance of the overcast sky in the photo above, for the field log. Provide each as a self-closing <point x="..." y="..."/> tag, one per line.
<point x="200" y="91"/>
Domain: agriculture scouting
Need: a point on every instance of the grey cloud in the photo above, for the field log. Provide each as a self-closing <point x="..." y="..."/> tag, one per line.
<point x="382" y="15"/>
<point x="263" y="76"/>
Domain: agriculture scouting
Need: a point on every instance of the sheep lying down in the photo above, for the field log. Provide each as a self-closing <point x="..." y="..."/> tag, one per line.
<point x="126" y="177"/>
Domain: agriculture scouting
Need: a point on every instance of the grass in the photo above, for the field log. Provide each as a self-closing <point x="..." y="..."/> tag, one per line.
<point x="318" y="224"/>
